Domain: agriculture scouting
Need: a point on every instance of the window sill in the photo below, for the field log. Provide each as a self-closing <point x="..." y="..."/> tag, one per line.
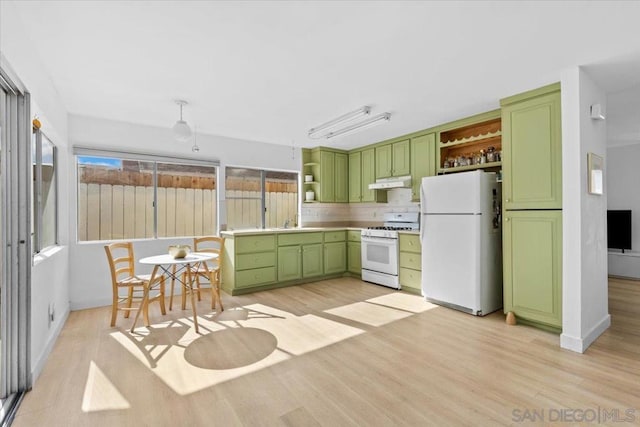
<point x="45" y="254"/>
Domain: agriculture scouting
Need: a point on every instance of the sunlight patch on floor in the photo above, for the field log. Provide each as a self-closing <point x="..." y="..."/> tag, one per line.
<point x="403" y="301"/>
<point x="167" y="352"/>
<point x="100" y="394"/>
<point x="368" y="313"/>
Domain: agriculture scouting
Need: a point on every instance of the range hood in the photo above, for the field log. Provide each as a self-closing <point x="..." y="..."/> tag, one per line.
<point x="389" y="183"/>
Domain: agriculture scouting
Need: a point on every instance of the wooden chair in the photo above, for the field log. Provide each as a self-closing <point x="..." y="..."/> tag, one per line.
<point x="209" y="271"/>
<point x="123" y="276"/>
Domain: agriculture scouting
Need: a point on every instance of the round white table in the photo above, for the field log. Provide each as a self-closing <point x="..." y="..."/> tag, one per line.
<point x="165" y="262"/>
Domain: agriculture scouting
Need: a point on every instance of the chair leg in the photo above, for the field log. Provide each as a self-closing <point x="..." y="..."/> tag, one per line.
<point x="129" y="300"/>
<point x="215" y="290"/>
<point x="162" y="308"/>
<point x="145" y="311"/>
<point x="114" y="311"/>
<point x="198" y="286"/>
<point x="218" y="296"/>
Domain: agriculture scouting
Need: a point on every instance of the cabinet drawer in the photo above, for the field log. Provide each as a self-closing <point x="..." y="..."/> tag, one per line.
<point x="246" y="244"/>
<point x="410" y="278"/>
<point x="254" y="277"/>
<point x="410" y="260"/>
<point x="353" y="235"/>
<point x="256" y="260"/>
<point x="410" y="243"/>
<point x="335" y="236"/>
<point x="287" y="239"/>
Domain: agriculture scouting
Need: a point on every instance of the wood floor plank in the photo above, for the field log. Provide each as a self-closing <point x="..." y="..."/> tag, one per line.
<point x="331" y="353"/>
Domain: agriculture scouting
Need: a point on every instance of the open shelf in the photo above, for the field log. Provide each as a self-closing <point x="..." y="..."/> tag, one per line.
<point x="470" y="167"/>
<point x="468" y="144"/>
<point x="492" y="136"/>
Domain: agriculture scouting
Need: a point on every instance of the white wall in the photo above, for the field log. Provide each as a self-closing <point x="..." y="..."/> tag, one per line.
<point x="585" y="286"/>
<point x="50" y="274"/>
<point x="623" y="176"/>
<point x="89" y="273"/>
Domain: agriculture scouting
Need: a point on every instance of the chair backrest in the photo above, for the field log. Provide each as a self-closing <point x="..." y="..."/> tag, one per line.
<point x="121" y="261"/>
<point x="209" y="244"/>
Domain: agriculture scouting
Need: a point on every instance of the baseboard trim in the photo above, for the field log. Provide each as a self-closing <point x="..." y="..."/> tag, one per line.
<point x="579" y="345"/>
<point x="44" y="356"/>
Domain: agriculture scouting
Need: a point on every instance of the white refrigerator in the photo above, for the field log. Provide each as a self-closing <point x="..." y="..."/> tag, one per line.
<point x="461" y="237"/>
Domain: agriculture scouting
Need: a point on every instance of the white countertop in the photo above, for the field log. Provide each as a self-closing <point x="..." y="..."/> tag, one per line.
<point x="232" y="233"/>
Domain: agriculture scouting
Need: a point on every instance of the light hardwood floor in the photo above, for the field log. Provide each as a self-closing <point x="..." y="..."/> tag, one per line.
<point x="337" y="352"/>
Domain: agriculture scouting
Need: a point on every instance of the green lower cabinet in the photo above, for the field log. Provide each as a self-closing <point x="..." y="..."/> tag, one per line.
<point x="289" y="263"/>
<point x="410" y="263"/>
<point x="532" y="244"/>
<point x="335" y="257"/>
<point x="354" y="258"/>
<point x="312" y="260"/>
<point x="255" y="277"/>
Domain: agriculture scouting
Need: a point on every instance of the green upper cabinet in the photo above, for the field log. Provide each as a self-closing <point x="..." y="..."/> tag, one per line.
<point x="383" y="161"/>
<point x="532" y="150"/>
<point x="341" y="182"/>
<point x="327" y="176"/>
<point x="423" y="161"/>
<point x="401" y="158"/>
<point x="355" y="177"/>
<point x="368" y="164"/>
<point x="393" y="159"/>
<point x="330" y="171"/>
<point x="533" y="265"/>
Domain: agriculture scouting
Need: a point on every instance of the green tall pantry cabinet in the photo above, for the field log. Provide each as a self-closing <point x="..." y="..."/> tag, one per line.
<point x="532" y="206"/>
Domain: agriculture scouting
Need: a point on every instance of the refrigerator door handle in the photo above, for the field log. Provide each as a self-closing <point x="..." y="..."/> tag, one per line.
<point x="423" y="211"/>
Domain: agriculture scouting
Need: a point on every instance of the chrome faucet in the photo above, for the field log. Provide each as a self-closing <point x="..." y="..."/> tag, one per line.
<point x="286" y="223"/>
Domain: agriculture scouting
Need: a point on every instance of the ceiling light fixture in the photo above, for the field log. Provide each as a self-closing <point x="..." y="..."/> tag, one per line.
<point x="324" y="129"/>
<point x="195" y="147"/>
<point x="384" y="117"/>
<point x="181" y="129"/>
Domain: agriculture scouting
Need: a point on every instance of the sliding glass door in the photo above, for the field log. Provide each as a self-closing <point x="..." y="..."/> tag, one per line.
<point x="15" y="243"/>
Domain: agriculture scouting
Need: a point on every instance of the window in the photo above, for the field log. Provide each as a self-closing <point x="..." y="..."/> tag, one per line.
<point x="133" y="196"/>
<point x="259" y="199"/>
<point x="45" y="195"/>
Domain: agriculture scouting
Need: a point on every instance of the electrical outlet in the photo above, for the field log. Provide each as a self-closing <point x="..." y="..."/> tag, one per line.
<point x="51" y="314"/>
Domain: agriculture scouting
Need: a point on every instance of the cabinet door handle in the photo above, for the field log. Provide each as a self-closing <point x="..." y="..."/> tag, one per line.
<point x="506" y="219"/>
<point x="508" y="200"/>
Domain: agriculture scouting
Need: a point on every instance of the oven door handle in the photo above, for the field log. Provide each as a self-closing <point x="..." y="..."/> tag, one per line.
<point x="387" y="240"/>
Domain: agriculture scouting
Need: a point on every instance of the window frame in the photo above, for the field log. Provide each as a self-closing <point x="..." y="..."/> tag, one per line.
<point x="263" y="192"/>
<point x="79" y="151"/>
<point x="38" y="206"/>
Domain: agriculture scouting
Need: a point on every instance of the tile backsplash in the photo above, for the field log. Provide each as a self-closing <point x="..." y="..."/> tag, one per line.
<point x="357" y="214"/>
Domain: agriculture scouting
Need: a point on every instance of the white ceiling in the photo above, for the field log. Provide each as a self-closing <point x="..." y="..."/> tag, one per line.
<point x="268" y="71"/>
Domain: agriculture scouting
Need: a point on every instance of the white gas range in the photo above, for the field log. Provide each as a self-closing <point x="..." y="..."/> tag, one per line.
<point x="380" y="248"/>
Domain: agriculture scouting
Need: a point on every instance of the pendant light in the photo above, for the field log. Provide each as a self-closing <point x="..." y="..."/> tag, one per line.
<point x="181" y="129"/>
<point x="195" y="147"/>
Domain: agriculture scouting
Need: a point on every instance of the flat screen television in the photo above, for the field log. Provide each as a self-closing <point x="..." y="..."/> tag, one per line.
<point x="619" y="230"/>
